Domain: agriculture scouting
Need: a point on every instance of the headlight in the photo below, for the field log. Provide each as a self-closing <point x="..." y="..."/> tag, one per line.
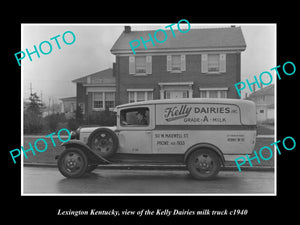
<point x="75" y="134"/>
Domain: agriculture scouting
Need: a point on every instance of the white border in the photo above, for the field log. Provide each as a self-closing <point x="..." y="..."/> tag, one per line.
<point x="150" y="194"/>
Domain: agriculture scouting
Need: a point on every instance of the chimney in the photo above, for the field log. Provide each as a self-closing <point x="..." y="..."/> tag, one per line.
<point x="127" y="29"/>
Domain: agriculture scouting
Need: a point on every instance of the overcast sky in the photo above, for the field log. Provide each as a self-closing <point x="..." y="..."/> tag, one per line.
<point x="52" y="74"/>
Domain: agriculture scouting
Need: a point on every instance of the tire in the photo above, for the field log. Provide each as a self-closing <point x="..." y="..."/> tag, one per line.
<point x="72" y="163"/>
<point x="203" y="164"/>
<point x="104" y="142"/>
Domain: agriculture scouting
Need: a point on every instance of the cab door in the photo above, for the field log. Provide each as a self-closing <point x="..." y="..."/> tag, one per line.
<point x="135" y="125"/>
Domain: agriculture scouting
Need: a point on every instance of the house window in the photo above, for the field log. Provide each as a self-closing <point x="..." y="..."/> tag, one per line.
<point x="213" y="63"/>
<point x="176" y="63"/>
<point x="261" y="99"/>
<point x="223" y="94"/>
<point x="109" y="99"/>
<point x="149" y="95"/>
<point x="213" y="93"/>
<point x="102" y="100"/>
<point x="140" y="64"/>
<point x="138" y="96"/>
<point x="97" y="100"/>
<point x="203" y="94"/>
<point x="131" y="96"/>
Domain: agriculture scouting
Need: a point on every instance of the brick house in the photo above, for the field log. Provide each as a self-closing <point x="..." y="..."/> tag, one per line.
<point x="202" y="63"/>
<point x="96" y="91"/>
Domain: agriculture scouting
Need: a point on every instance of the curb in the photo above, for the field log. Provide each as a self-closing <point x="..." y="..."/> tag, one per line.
<point x="156" y="167"/>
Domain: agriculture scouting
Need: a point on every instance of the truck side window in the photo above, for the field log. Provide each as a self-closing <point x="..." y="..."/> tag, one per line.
<point x="134" y="117"/>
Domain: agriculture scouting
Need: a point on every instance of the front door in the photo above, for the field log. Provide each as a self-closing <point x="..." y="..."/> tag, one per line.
<point x="135" y="130"/>
<point x="176" y="94"/>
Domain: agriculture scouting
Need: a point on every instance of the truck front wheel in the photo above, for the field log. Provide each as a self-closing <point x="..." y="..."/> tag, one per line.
<point x="72" y="163"/>
<point x="203" y="164"/>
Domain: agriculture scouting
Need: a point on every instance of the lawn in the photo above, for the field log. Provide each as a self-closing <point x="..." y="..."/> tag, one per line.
<point x="265" y="129"/>
<point x="47" y="156"/>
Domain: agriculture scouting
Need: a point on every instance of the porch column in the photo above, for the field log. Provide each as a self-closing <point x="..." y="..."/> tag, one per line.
<point x="190" y="91"/>
<point x="161" y="93"/>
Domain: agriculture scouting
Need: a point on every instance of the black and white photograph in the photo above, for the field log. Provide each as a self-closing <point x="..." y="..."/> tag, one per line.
<point x="149" y="109"/>
<point x="154" y="120"/>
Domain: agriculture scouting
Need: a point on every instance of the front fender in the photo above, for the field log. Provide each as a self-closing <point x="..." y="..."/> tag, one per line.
<point x="91" y="155"/>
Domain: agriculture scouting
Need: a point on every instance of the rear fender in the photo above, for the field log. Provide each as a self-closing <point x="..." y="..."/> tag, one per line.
<point x="206" y="146"/>
<point x="92" y="156"/>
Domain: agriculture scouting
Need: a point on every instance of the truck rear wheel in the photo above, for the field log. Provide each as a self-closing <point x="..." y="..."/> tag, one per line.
<point x="203" y="164"/>
<point x="104" y="142"/>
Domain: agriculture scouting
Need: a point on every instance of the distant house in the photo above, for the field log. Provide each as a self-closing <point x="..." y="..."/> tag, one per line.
<point x="68" y="106"/>
<point x="264" y="100"/>
<point x="96" y="92"/>
<point x="203" y="63"/>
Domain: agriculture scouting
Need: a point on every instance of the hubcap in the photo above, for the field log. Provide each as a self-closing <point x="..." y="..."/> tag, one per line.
<point x="102" y="142"/>
<point x="204" y="163"/>
<point x="73" y="162"/>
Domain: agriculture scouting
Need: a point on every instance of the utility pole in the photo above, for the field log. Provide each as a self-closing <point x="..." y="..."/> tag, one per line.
<point x="49" y="106"/>
<point x="41" y="96"/>
<point x="52" y="105"/>
<point x="30" y="88"/>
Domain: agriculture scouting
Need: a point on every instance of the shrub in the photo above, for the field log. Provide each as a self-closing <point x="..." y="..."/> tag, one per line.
<point x="102" y="118"/>
<point x="53" y="120"/>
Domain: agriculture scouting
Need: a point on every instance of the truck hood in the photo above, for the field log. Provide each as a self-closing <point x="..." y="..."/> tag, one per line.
<point x="91" y="129"/>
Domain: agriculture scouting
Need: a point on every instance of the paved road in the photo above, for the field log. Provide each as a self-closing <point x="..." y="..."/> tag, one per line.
<point x="43" y="180"/>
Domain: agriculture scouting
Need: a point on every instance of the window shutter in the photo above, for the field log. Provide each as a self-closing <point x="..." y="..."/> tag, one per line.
<point x="169" y="61"/>
<point x="182" y="62"/>
<point x="148" y="64"/>
<point x="204" y="67"/>
<point x="131" y="65"/>
<point x="222" y="63"/>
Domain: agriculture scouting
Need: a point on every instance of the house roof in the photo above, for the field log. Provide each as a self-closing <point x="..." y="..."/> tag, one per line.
<point x="268" y="90"/>
<point x="68" y="99"/>
<point x="100" y="77"/>
<point x="194" y="40"/>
